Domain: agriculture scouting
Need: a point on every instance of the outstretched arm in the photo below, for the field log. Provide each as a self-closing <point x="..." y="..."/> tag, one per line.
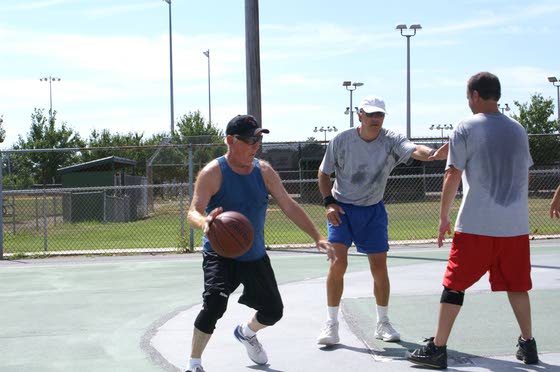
<point x="425" y="153"/>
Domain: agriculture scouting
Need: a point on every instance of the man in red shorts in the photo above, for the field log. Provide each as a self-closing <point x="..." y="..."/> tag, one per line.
<point x="490" y="152"/>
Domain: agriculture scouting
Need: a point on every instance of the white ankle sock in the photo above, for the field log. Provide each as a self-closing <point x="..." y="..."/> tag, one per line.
<point x="193" y="362"/>
<point x="247" y="332"/>
<point x="382" y="313"/>
<point x="332" y="314"/>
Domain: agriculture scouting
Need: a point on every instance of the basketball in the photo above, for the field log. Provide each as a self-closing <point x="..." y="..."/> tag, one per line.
<point x="230" y="234"/>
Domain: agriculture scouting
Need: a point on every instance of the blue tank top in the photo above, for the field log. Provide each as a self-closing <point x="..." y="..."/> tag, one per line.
<point x="246" y="194"/>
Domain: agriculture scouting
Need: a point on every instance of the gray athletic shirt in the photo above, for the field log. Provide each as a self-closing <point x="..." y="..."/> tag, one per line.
<point x="362" y="168"/>
<point x="492" y="150"/>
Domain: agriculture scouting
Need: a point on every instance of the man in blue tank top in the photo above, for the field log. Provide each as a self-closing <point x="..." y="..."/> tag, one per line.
<point x="239" y="182"/>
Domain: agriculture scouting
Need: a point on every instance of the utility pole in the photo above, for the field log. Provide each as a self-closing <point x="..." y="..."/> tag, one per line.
<point x="252" y="59"/>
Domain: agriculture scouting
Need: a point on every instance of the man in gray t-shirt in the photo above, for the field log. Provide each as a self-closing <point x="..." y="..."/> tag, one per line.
<point x="490" y="152"/>
<point x="362" y="159"/>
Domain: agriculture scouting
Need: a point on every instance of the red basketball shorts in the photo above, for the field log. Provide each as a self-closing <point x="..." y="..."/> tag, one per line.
<point x="507" y="259"/>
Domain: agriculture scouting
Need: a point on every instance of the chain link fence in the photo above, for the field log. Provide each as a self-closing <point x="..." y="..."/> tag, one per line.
<point x="135" y="199"/>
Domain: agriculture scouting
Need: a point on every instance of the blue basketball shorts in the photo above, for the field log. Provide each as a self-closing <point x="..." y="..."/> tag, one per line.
<point x="366" y="227"/>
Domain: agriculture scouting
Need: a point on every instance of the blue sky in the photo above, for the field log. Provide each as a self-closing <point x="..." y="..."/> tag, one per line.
<point x="113" y="60"/>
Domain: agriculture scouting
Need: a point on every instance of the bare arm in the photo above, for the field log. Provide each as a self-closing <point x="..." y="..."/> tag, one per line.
<point x="207" y="184"/>
<point x="332" y="210"/>
<point x="325" y="184"/>
<point x="555" y="204"/>
<point x="425" y="153"/>
<point x="292" y="209"/>
<point x="451" y="182"/>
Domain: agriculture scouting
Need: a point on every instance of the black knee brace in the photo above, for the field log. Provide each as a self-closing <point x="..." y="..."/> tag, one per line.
<point x="449" y="296"/>
<point x="214" y="307"/>
<point x="271" y="315"/>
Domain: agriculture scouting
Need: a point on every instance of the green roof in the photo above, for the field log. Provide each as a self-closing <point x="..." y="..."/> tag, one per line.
<point x="104" y="164"/>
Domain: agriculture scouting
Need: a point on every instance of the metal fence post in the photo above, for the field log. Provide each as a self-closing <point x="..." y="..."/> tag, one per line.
<point x="191" y="187"/>
<point x="14" y="213"/>
<point x="36" y="212"/>
<point x="105" y="206"/>
<point x="45" y="242"/>
<point x="424" y="178"/>
<point x="54" y="208"/>
<point x="182" y="210"/>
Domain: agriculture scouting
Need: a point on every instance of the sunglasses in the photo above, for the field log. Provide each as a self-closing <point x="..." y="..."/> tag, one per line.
<point x="373" y="114"/>
<point x="250" y="140"/>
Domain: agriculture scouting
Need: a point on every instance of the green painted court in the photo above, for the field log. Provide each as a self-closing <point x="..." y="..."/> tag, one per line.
<point x="135" y="313"/>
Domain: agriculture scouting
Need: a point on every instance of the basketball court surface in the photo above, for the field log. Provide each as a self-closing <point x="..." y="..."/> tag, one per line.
<point x="136" y="314"/>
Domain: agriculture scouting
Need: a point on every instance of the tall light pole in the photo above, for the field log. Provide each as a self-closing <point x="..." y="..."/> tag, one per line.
<point x="351" y="87"/>
<point x="207" y="54"/>
<point x="408" y="35"/>
<point x="556" y="83"/>
<point x="171" y="70"/>
<point x="325" y="130"/>
<point x="50" y="79"/>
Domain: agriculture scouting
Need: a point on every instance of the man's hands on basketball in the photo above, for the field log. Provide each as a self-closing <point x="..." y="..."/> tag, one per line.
<point x="211" y="217"/>
<point x="444" y="227"/>
<point x="333" y="214"/>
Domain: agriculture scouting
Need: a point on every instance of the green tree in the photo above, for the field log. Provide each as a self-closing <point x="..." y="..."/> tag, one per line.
<point x="535" y="116"/>
<point x="2" y="131"/>
<point x="44" y="134"/>
<point x="191" y="128"/>
<point x="109" y="144"/>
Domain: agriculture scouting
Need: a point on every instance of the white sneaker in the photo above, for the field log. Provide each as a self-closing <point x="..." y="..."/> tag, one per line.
<point x="254" y="348"/>
<point x="329" y="334"/>
<point x="386" y="332"/>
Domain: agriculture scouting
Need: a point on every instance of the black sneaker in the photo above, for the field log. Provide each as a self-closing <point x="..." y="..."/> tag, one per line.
<point x="527" y="351"/>
<point x="430" y="355"/>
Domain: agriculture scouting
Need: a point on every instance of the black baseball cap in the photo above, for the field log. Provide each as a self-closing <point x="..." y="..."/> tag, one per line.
<point x="244" y="125"/>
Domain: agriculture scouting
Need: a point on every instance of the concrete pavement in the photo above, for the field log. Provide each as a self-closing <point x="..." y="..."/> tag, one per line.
<point x="476" y="344"/>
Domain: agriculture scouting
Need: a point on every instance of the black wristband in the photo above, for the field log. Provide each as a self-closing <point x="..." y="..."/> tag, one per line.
<point x="328" y="200"/>
<point x="433" y="152"/>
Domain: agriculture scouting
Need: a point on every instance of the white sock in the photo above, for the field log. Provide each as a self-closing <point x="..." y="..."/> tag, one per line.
<point x="247" y="332"/>
<point x="193" y="362"/>
<point x="332" y="314"/>
<point x="382" y="313"/>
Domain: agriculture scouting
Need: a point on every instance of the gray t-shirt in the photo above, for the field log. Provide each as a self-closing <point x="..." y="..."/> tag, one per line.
<point x="361" y="167"/>
<point x="492" y="150"/>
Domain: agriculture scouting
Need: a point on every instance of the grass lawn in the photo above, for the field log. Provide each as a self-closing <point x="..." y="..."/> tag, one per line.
<point x="407" y="221"/>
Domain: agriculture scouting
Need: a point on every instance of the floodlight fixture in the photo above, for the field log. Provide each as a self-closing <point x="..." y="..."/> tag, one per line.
<point x="351" y="86"/>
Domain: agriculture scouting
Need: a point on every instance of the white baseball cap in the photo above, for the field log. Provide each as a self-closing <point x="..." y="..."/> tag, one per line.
<point x="373" y="104"/>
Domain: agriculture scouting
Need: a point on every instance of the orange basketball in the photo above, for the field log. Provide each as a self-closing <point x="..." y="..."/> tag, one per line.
<point x="230" y="234"/>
